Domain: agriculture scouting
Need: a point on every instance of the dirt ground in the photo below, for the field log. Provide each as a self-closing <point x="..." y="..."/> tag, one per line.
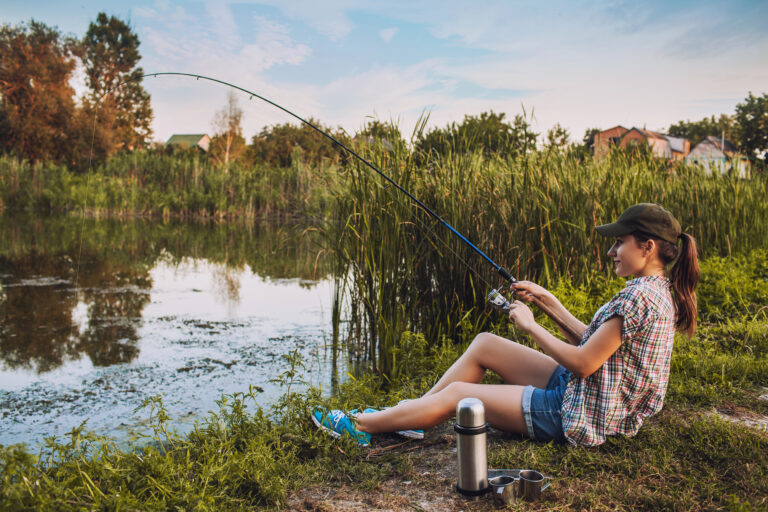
<point x="430" y="486"/>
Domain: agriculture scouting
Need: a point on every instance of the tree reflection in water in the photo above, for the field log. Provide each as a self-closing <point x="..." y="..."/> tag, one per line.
<point x="47" y="279"/>
<point x="39" y="325"/>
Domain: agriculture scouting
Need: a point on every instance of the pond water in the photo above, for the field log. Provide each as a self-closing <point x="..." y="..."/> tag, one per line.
<point x="96" y="316"/>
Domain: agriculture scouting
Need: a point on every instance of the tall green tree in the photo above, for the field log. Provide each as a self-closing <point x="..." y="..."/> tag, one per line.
<point x="37" y="109"/>
<point x="110" y="55"/>
<point x="752" y="118"/>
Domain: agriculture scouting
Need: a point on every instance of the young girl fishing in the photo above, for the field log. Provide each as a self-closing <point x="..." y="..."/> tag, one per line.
<point x="605" y="380"/>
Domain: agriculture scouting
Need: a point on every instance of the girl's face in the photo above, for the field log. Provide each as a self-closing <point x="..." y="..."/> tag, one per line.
<point x="628" y="258"/>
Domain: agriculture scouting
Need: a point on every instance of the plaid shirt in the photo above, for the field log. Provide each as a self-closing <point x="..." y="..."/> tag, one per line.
<point x="631" y="384"/>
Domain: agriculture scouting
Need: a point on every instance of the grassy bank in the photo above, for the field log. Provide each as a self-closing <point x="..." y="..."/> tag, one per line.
<point x="244" y="456"/>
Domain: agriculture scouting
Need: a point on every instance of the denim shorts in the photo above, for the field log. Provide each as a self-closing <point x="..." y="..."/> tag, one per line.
<point x="541" y="407"/>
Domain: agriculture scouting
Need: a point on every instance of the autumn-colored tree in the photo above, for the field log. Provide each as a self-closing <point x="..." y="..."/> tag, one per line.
<point x="37" y="109"/>
<point x="110" y="54"/>
<point x="227" y="142"/>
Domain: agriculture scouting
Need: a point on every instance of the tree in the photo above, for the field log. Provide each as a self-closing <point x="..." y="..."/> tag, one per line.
<point x="696" y="131"/>
<point x="36" y="101"/>
<point x="752" y="119"/>
<point x="228" y="142"/>
<point x="110" y="53"/>
<point x="557" y="138"/>
<point x="589" y="139"/>
<point x="386" y="134"/>
<point x="277" y="145"/>
<point x="487" y="132"/>
<point x="523" y="137"/>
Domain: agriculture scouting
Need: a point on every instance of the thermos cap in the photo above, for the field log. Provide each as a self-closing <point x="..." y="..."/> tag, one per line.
<point x="470" y="412"/>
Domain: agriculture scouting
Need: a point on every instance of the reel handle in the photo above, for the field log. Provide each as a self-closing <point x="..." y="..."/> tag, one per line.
<point x="569" y="332"/>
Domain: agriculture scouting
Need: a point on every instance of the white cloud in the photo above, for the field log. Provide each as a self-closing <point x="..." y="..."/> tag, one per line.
<point x="387" y="34"/>
<point x="328" y="17"/>
<point x="273" y="46"/>
<point x="584" y="65"/>
<point x="212" y="46"/>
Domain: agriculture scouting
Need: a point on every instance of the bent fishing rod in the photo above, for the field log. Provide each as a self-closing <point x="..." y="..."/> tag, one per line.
<point x="494" y="297"/>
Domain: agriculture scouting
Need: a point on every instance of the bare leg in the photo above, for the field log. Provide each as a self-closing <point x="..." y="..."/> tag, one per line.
<point x="503" y="409"/>
<point x="515" y="363"/>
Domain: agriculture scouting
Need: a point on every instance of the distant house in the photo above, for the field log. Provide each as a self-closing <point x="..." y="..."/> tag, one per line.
<point x="607" y="138"/>
<point x="662" y="146"/>
<point x="717" y="153"/>
<point x="186" y="141"/>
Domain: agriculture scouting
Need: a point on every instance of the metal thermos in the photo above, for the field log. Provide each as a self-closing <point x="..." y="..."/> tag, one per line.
<point x="471" y="431"/>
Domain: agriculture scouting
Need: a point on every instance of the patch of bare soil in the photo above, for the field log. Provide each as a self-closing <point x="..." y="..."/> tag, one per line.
<point x="429" y="486"/>
<point x="745" y="416"/>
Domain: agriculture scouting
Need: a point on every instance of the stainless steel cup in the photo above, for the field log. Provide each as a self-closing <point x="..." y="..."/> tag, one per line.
<point x="505" y="489"/>
<point x="471" y="448"/>
<point x="532" y="483"/>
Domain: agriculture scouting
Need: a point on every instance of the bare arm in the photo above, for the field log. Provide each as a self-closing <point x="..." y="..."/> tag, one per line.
<point x="572" y="328"/>
<point x="583" y="360"/>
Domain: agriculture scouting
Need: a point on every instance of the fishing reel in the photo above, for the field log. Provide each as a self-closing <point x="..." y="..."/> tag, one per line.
<point x="498" y="301"/>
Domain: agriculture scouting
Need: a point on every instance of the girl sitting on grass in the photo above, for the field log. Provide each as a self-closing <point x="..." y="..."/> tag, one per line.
<point x="606" y="381"/>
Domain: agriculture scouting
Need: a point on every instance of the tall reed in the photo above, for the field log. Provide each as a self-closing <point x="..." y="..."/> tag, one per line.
<point x="534" y="215"/>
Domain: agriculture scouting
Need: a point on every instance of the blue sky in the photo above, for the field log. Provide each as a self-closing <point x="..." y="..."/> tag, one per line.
<point x="583" y="64"/>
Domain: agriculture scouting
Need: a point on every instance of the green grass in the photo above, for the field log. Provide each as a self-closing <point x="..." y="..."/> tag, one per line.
<point x="243" y="456"/>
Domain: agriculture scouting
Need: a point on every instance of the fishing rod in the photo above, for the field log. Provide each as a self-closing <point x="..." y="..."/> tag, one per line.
<point x="494" y="297"/>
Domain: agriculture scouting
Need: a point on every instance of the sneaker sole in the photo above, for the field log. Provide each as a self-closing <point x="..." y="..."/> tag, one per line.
<point x="323" y="427"/>
<point x="410" y="434"/>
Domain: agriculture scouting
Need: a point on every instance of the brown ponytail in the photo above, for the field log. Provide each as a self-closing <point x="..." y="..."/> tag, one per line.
<point x="684" y="277"/>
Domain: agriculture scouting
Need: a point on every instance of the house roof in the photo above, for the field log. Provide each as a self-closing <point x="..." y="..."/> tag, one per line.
<point x="718" y="143"/>
<point x="614" y="128"/>
<point x="186" y="140"/>
<point x="649" y="133"/>
<point x="676" y="143"/>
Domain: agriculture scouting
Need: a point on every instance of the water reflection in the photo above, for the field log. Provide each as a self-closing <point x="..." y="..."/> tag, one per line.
<point x="189" y="311"/>
<point x="70" y="289"/>
<point x="36" y="311"/>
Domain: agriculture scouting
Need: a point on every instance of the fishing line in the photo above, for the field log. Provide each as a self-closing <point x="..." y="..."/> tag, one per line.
<point x="85" y="205"/>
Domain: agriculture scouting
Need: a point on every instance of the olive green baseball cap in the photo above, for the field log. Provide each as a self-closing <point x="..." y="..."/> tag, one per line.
<point x="647" y="218"/>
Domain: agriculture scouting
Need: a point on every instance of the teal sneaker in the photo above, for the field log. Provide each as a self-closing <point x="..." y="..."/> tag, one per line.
<point x="337" y="423"/>
<point x="410" y="434"/>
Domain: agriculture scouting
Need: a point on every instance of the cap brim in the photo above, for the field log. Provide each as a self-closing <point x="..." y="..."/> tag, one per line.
<point x="613" y="229"/>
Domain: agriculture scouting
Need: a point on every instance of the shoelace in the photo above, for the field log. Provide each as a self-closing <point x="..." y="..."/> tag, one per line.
<point x="336" y="417"/>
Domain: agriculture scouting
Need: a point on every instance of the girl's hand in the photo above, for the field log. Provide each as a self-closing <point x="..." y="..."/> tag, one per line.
<point x="522" y="316"/>
<point x="528" y="291"/>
